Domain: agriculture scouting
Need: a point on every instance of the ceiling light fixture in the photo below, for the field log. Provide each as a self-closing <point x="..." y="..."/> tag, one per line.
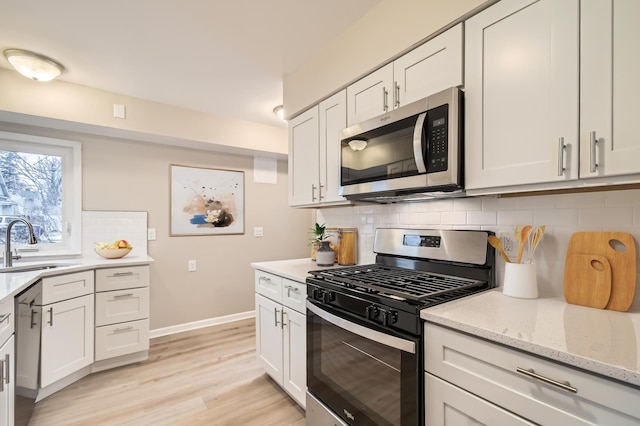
<point x="357" y="144"/>
<point x="279" y="111"/>
<point x="33" y="65"/>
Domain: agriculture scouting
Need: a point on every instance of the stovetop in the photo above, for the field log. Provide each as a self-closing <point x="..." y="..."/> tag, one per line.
<point x="397" y="283"/>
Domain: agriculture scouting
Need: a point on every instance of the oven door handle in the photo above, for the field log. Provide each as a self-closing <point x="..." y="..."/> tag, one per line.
<point x="367" y="333"/>
<point x="417" y="143"/>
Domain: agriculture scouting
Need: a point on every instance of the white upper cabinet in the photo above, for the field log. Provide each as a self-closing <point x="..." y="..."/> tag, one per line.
<point x="609" y="88"/>
<point x="521" y="93"/>
<point x="427" y="69"/>
<point x="314" y="153"/>
<point x="434" y="66"/>
<point x="304" y="142"/>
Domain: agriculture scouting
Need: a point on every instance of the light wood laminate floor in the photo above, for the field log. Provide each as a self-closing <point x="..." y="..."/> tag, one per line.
<point x="202" y="377"/>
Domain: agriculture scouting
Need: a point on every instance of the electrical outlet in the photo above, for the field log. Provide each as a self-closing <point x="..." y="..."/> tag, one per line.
<point x="191" y="265"/>
<point x="258" y="231"/>
<point x="151" y="234"/>
<point x="509" y="244"/>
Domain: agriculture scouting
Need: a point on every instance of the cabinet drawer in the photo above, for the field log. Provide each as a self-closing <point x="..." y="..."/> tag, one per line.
<point x="121" y="278"/>
<point x="490" y="371"/>
<point x="7" y="319"/>
<point x="269" y="285"/>
<point x="294" y="295"/>
<point x="121" y="339"/>
<point x="113" y="307"/>
<point x="68" y="286"/>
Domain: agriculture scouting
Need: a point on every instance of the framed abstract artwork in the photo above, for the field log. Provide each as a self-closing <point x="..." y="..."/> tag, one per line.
<point x="206" y="201"/>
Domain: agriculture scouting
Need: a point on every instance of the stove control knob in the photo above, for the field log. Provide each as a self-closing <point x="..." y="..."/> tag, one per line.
<point x="389" y="317"/>
<point x="317" y="293"/>
<point x="328" y="296"/>
<point x="371" y="311"/>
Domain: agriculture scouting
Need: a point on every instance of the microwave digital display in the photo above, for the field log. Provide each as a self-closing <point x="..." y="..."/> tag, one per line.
<point x="438" y="122"/>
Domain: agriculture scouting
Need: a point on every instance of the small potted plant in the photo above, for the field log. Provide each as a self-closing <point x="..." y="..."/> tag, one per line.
<point x="320" y="246"/>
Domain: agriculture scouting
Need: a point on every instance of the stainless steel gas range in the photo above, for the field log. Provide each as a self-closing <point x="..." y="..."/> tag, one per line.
<point x="364" y="332"/>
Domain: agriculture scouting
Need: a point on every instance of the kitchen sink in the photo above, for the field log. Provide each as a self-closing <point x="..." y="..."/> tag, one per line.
<point x="33" y="267"/>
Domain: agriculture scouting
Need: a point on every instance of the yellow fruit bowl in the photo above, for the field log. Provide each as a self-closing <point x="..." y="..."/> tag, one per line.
<point x="113" y="253"/>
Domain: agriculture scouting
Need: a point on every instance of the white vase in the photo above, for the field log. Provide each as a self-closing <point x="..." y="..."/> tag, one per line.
<point x="325" y="255"/>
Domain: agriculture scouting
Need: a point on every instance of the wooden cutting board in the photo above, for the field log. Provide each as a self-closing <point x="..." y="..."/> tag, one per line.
<point x="619" y="249"/>
<point x="587" y="280"/>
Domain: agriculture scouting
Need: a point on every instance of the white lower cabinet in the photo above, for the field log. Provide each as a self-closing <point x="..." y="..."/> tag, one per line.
<point x="7" y="362"/>
<point x="471" y="380"/>
<point x="122" y="315"/>
<point x="281" y="332"/>
<point x="67" y="338"/>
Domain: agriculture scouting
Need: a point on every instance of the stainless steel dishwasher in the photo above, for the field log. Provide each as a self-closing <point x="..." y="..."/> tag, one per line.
<point x="28" y="326"/>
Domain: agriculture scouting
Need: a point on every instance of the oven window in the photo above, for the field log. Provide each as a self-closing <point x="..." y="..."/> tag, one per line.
<point x="361" y="380"/>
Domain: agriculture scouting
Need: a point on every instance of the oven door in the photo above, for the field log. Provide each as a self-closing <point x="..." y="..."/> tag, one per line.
<point x="360" y="372"/>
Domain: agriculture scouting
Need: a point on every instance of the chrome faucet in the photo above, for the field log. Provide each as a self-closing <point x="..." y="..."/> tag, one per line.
<point x="8" y="256"/>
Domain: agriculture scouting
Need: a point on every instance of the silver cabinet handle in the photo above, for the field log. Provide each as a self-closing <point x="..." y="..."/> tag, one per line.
<point x="7" y="361"/>
<point x="122" y="274"/>
<point x="289" y="288"/>
<point x="593" y="142"/>
<point x="275" y="312"/>
<point x="561" y="148"/>
<point x="5" y="317"/>
<point x="51" y="316"/>
<point x="313" y="192"/>
<point x="396" y="94"/>
<point x="284" y="323"/>
<point x="123" y="329"/>
<point x="385" y="96"/>
<point x="33" y="315"/>
<point x="529" y="372"/>
<point x="267" y="279"/>
<point x="120" y="296"/>
<point x="320" y="196"/>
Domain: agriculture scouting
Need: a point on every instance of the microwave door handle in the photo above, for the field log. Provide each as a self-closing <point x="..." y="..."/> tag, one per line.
<point x="417" y="143"/>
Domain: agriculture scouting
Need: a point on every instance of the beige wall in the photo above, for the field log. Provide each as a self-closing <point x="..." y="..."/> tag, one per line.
<point x="389" y="29"/>
<point x="67" y="106"/>
<point x="129" y="175"/>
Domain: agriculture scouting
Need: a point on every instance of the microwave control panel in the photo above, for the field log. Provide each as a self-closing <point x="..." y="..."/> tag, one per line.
<point x="437" y="149"/>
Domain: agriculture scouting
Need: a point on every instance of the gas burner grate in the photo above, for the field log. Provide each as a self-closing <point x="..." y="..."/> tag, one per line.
<point x="402" y="283"/>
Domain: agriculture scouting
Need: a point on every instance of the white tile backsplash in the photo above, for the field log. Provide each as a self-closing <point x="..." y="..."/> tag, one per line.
<point x="108" y="226"/>
<point x="563" y="214"/>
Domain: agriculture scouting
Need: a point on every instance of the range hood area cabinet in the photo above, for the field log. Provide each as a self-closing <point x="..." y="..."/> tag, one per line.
<point x="429" y="68"/>
<point x="314" y="154"/>
<point x="544" y="81"/>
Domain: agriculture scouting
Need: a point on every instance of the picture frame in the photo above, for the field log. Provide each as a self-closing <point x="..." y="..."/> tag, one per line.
<point x="206" y="201"/>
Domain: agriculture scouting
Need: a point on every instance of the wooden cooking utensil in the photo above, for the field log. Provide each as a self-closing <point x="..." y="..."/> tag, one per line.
<point x="522" y="241"/>
<point x="620" y="250"/>
<point x="587" y="280"/>
<point x="497" y="244"/>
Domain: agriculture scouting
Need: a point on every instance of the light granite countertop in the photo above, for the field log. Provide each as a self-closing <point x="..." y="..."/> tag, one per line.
<point x="597" y="340"/>
<point x="12" y="283"/>
<point x="294" y="269"/>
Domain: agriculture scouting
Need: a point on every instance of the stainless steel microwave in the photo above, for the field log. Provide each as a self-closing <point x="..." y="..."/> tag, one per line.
<point x="412" y="152"/>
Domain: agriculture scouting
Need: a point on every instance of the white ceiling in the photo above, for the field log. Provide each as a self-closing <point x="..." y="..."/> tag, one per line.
<point x="225" y="57"/>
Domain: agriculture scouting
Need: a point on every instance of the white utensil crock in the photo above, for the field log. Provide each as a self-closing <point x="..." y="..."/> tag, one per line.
<point x="520" y="280"/>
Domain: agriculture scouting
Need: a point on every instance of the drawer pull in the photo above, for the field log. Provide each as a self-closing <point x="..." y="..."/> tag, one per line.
<point x="291" y="288"/>
<point x="121" y="296"/>
<point x="529" y="372"/>
<point x="122" y="329"/>
<point x="5" y="317"/>
<point x="122" y="274"/>
<point x="267" y="279"/>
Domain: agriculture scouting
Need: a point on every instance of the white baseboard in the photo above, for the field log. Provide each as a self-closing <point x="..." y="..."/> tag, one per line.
<point x="165" y="331"/>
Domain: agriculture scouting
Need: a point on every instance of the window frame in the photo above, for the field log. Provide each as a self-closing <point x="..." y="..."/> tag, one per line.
<point x="71" y="154"/>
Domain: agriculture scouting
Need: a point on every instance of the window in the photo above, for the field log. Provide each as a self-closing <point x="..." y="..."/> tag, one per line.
<point x="41" y="181"/>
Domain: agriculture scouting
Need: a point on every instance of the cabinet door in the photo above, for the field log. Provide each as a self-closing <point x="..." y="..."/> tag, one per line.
<point x="7" y="385"/>
<point x="609" y="87"/>
<point x="370" y="96"/>
<point x="521" y="93"/>
<point x="449" y="405"/>
<point x="333" y="118"/>
<point x="269" y="336"/>
<point x="67" y="338"/>
<point x="303" y="158"/>
<point x="295" y="355"/>
<point x="434" y="66"/>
